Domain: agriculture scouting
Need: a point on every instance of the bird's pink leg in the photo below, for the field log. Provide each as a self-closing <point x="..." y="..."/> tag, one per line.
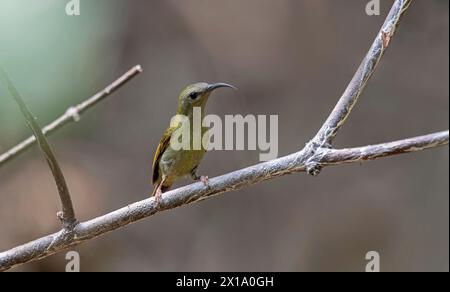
<point x="158" y="194"/>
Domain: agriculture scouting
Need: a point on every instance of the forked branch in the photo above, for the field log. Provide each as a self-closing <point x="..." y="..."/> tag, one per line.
<point x="232" y="181"/>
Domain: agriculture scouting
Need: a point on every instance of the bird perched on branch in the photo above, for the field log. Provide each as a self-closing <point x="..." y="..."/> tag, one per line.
<point x="170" y="164"/>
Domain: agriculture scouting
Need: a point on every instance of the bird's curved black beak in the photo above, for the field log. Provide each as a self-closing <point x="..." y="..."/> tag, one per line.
<point x="214" y="86"/>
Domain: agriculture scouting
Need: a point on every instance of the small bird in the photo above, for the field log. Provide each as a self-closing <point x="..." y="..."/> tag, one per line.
<point x="169" y="164"/>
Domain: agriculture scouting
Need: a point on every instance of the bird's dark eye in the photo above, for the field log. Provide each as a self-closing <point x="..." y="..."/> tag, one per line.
<point x="193" y="95"/>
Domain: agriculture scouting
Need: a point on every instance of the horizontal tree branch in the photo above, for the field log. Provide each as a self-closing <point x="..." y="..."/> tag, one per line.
<point x="358" y="154"/>
<point x="72" y="114"/>
<point x="235" y="180"/>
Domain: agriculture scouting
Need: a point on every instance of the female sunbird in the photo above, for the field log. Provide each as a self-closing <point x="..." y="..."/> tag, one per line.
<point x="169" y="164"/>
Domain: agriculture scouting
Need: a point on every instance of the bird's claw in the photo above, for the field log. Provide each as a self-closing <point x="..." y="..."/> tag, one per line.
<point x="205" y="180"/>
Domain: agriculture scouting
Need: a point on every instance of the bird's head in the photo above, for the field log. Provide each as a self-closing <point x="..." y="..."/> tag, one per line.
<point x="196" y="95"/>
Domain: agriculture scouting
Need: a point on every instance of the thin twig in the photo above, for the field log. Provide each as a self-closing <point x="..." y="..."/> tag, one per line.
<point x="72" y="114"/>
<point x="356" y="86"/>
<point x="67" y="216"/>
<point x="293" y="163"/>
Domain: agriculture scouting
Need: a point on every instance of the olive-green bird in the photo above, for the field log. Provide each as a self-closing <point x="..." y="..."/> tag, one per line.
<point x="169" y="164"/>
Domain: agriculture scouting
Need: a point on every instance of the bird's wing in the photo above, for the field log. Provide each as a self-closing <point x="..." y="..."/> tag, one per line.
<point x="162" y="146"/>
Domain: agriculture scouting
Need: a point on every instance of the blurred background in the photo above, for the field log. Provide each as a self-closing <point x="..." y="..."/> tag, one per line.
<point x="289" y="57"/>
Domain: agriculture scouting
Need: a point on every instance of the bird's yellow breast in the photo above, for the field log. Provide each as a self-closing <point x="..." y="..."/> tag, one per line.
<point x="175" y="164"/>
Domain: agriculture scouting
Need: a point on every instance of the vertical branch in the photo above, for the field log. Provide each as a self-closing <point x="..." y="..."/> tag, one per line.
<point x="67" y="216"/>
<point x="365" y="71"/>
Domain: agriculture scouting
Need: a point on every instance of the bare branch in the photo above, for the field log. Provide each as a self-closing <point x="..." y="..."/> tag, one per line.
<point x="67" y="216"/>
<point x="72" y="114"/>
<point x="232" y="181"/>
<point x="356" y="86"/>
<point x="371" y="152"/>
